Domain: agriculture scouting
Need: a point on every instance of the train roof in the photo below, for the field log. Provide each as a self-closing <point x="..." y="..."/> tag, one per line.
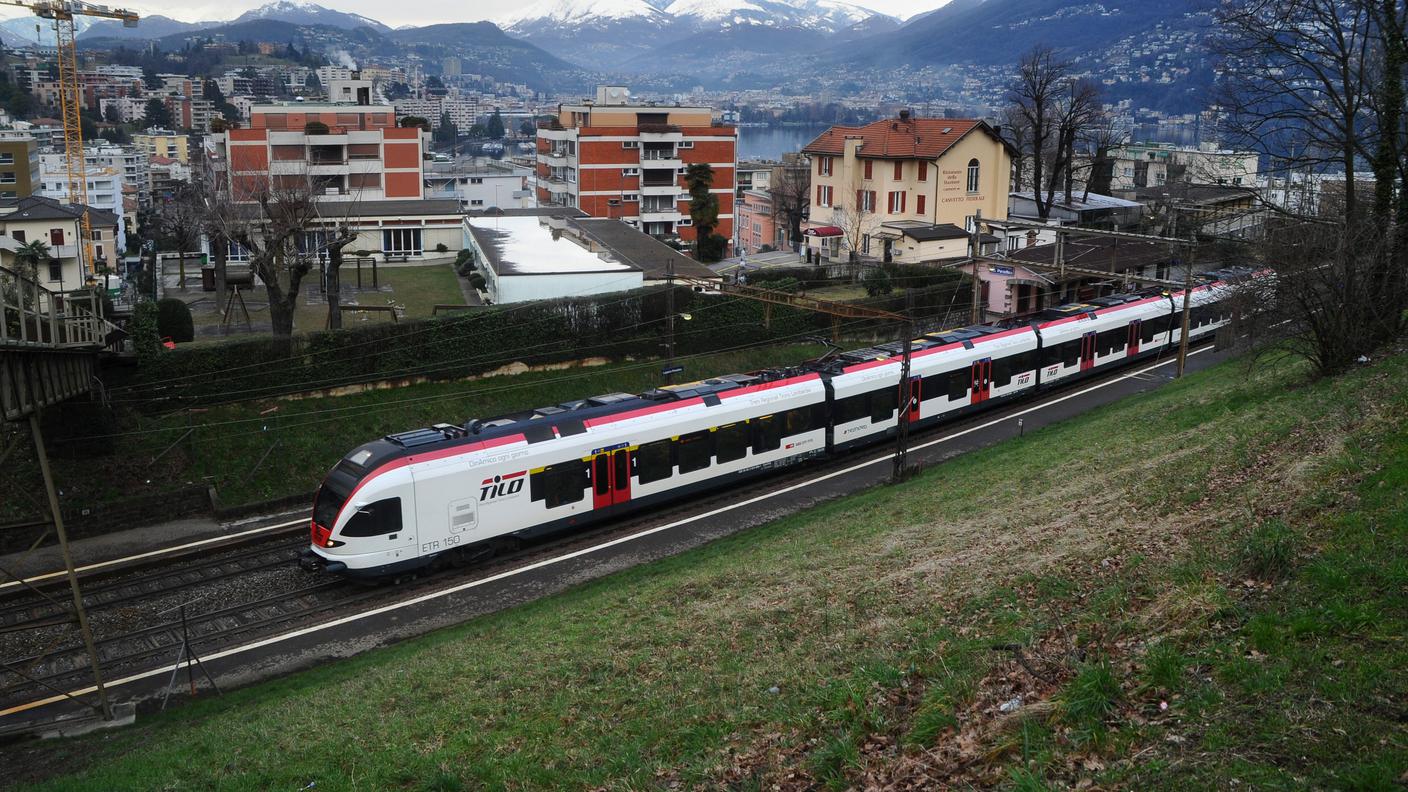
<point x="572" y="417"/>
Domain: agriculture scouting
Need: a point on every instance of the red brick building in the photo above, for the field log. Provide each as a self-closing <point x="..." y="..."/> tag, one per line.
<point x="362" y="156"/>
<point x="613" y="159"/>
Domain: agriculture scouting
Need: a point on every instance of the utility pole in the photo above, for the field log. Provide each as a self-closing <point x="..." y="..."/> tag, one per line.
<point x="670" y="319"/>
<point x="906" y="395"/>
<point x="105" y="708"/>
<point x="975" y="250"/>
<point x="1187" y="304"/>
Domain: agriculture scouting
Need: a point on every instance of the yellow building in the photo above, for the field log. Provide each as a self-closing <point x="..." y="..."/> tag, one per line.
<point x="161" y="143"/>
<point x="905" y="189"/>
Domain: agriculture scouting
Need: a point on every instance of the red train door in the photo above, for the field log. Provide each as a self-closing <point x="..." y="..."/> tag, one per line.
<point x="914" y="398"/>
<point x="1087" y="351"/>
<point x="1133" y="341"/>
<point x="982" y="380"/>
<point x="611" y="478"/>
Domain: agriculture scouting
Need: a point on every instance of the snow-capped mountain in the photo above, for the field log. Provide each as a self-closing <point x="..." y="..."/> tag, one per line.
<point x="301" y="12"/>
<point x="613" y="33"/>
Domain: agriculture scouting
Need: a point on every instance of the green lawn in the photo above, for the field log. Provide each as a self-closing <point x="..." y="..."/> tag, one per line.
<point x="1201" y="585"/>
<point x="416" y="289"/>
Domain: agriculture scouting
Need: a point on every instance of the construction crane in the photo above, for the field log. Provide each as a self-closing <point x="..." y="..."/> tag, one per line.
<point x="62" y="13"/>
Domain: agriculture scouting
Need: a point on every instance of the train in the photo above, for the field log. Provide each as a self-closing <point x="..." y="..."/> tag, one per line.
<point x="455" y="494"/>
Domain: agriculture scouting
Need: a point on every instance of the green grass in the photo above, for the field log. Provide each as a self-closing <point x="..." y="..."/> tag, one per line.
<point x="868" y="640"/>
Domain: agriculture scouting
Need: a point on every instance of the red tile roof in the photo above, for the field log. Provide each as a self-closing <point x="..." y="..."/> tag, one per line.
<point x="899" y="138"/>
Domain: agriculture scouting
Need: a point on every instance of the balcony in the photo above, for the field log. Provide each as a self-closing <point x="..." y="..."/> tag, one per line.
<point x="553" y="159"/>
<point x="670" y="215"/>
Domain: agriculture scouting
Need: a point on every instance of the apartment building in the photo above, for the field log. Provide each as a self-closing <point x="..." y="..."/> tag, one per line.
<point x="463" y="111"/>
<point x="367" y="171"/>
<point x="757" y="223"/>
<point x="1143" y="165"/>
<point x="19" y="165"/>
<point x="362" y="156"/>
<point x="164" y="143"/>
<point x="58" y="225"/>
<point x="104" y="182"/>
<point x="904" y="188"/>
<point x="615" y="159"/>
<point x="479" y="187"/>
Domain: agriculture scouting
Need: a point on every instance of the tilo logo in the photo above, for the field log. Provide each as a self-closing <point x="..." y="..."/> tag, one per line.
<point x="501" y="486"/>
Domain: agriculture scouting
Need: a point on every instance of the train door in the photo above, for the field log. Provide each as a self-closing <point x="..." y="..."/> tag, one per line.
<point x="1132" y="342"/>
<point x="915" y="397"/>
<point x="982" y="380"/>
<point x="611" y="478"/>
<point x="1087" y="351"/>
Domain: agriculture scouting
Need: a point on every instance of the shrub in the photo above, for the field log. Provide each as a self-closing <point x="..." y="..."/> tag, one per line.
<point x="476" y="279"/>
<point x="315" y="128"/>
<point x="143" y="329"/>
<point x="442" y="248"/>
<point x="878" y="283"/>
<point x="173" y="318"/>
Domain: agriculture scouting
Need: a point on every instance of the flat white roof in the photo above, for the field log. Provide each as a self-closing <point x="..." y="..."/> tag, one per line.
<point x="526" y="246"/>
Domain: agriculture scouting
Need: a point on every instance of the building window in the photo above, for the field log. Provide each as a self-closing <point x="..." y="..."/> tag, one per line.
<point x="923" y="172"/>
<point x="685" y="144"/>
<point x="18" y="235"/>
<point x="899" y="171"/>
<point x="865" y="200"/>
<point x="97" y="234"/>
<point x="823" y="166"/>
<point x="56" y="270"/>
<point x="823" y="195"/>
<point x="629" y="197"/>
<point x="476" y="203"/>
<point x="896" y="205"/>
<point x="630" y="171"/>
<point x="919" y="204"/>
<point x="8" y="178"/>
<point x="7" y="158"/>
<point x="401" y="240"/>
<point x="868" y="163"/>
<point x="973" y="175"/>
<point x="629" y="144"/>
<point x="475" y="180"/>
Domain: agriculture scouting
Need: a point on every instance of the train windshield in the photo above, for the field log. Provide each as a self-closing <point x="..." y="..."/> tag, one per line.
<point x="328" y="503"/>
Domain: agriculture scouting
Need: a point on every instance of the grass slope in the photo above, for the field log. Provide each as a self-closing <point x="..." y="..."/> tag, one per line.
<point x="1202" y="584"/>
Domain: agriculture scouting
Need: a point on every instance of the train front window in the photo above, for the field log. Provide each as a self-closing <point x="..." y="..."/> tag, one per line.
<point x="328" y="503"/>
<point x="375" y="519"/>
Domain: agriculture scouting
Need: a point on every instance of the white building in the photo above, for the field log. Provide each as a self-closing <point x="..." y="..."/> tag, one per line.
<point x="1138" y="165"/>
<point x="480" y="186"/>
<point x="326" y="74"/>
<point x="528" y="257"/>
<point x="464" y="111"/>
<point x="105" y="184"/>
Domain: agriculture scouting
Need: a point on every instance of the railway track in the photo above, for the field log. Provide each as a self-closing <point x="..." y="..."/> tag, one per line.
<point x="156" y="645"/>
<point x="25" y="608"/>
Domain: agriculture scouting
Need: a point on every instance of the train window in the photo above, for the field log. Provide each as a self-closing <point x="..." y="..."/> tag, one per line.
<point x="767" y="434"/>
<point x="559" y="485"/>
<point x="800" y="420"/>
<point x="1070" y="352"/>
<point x="375" y="519"/>
<point x="932" y="387"/>
<point x="883" y="403"/>
<point x="653" y="461"/>
<point x="1001" y="372"/>
<point x="1152" y="327"/>
<point x="694" y="451"/>
<point x="621" y="476"/>
<point x="601" y="473"/>
<point x="851" y="408"/>
<point x="328" y="504"/>
<point x="958" y="382"/>
<point x="731" y="442"/>
<point x="1109" y="341"/>
<point x="1024" y="362"/>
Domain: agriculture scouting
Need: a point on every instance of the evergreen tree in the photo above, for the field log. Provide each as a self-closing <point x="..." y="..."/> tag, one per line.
<point x="704" y="212"/>
<point x="112" y="115"/>
<point x="495" y="128"/>
<point x="158" y="114"/>
<point x="446" y="132"/>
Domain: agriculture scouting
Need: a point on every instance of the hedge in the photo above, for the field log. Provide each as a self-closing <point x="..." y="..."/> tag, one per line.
<point x="626" y="324"/>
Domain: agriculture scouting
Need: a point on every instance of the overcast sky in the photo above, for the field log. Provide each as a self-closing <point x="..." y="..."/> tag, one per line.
<point x="424" y="12"/>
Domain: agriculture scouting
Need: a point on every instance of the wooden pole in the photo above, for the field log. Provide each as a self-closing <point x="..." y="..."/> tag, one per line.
<point x="103" y="706"/>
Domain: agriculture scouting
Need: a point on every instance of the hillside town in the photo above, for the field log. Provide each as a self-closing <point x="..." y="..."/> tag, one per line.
<point x="992" y="394"/>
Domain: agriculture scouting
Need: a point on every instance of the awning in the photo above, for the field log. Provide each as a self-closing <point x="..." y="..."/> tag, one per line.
<point x="823" y="231"/>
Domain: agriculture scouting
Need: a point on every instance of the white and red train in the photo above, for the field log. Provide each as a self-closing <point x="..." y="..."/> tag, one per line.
<point x="453" y="493"/>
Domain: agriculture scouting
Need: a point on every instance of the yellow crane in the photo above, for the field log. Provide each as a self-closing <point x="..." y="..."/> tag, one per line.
<point x="62" y="13"/>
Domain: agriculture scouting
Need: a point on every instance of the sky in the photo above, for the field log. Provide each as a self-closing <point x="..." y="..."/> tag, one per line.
<point x="424" y="12"/>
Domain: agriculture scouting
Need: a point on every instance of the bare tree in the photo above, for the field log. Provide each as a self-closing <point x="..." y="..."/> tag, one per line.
<point x="1018" y="132"/>
<point x="342" y="236"/>
<point x="790" y="187"/>
<point x="1034" y="96"/>
<point x="1318" y="85"/>
<point x="179" y="222"/>
<point x="1296" y="84"/>
<point x="268" y="220"/>
<point x="854" y="214"/>
<point x="1078" y="111"/>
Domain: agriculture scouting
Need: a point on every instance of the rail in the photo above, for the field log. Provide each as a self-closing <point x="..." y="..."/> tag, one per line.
<point x="33" y="317"/>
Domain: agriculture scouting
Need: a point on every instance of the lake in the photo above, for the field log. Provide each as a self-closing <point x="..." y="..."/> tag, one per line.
<point x="770" y="143"/>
